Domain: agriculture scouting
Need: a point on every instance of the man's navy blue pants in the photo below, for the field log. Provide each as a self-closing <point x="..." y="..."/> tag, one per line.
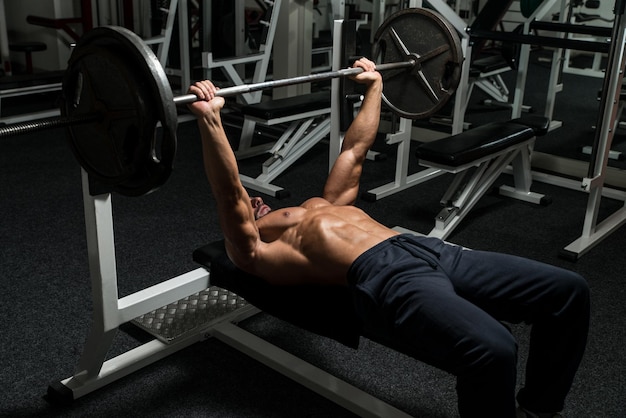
<point x="445" y="305"/>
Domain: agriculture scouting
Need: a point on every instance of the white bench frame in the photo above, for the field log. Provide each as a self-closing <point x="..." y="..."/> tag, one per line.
<point x="463" y="193"/>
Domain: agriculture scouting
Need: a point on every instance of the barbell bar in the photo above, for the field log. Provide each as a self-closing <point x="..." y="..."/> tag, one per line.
<point x="272" y="84"/>
<point x="115" y="93"/>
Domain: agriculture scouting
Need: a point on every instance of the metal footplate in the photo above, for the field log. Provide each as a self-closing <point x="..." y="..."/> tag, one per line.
<point x="190" y="314"/>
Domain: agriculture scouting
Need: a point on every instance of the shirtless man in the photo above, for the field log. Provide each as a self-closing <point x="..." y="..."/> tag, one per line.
<point x="441" y="303"/>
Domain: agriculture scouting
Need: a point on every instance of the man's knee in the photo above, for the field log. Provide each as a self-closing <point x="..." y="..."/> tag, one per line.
<point x="580" y="287"/>
<point x="575" y="290"/>
<point x="494" y="349"/>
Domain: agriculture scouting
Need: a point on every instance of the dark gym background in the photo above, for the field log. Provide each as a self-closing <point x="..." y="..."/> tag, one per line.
<point x="45" y="305"/>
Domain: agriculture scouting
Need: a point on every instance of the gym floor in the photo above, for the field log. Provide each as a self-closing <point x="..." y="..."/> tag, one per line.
<point x="46" y="297"/>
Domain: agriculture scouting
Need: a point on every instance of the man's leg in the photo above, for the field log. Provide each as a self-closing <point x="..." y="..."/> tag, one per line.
<point x="442" y="329"/>
<point x="408" y="301"/>
<point x="555" y="301"/>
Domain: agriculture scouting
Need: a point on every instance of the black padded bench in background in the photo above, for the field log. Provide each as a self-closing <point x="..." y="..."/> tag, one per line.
<point x="271" y="110"/>
<point x="478" y="157"/>
<point x="474" y="145"/>
<point x="488" y="64"/>
<point x="485" y="73"/>
<point x="471" y="147"/>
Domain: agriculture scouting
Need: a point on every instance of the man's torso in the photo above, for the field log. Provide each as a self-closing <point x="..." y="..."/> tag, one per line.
<point x="314" y="243"/>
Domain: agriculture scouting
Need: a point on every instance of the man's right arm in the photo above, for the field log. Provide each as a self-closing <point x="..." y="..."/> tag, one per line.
<point x="233" y="203"/>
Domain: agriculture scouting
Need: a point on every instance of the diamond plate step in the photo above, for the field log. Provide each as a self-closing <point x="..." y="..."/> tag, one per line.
<point x="188" y="315"/>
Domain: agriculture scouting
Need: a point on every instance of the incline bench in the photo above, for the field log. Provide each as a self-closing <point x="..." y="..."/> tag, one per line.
<point x="308" y="117"/>
<point x="489" y="149"/>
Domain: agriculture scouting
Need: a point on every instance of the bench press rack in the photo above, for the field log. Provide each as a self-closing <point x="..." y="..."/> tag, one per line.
<point x="147" y="307"/>
<point x="171" y="311"/>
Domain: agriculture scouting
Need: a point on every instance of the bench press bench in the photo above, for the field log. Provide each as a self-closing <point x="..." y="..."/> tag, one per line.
<point x="323" y="310"/>
<point x="478" y="157"/>
<point x="308" y="119"/>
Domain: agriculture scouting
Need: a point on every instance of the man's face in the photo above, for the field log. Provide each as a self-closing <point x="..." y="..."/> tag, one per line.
<point x="260" y="208"/>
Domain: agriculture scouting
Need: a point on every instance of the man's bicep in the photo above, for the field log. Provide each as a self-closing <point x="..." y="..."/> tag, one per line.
<point x="342" y="185"/>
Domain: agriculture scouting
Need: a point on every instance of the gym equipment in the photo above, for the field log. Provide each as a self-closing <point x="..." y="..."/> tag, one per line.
<point x="28" y="48"/>
<point x="595" y="229"/>
<point x="436" y="72"/>
<point x="218" y="310"/>
<point x="477" y="158"/>
<point x="115" y="93"/>
<point x="527" y="7"/>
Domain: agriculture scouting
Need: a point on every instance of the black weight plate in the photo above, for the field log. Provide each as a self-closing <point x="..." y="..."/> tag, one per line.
<point x="426" y="37"/>
<point x="113" y="74"/>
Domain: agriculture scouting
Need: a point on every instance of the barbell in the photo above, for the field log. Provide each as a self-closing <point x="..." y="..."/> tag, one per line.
<point x="115" y="94"/>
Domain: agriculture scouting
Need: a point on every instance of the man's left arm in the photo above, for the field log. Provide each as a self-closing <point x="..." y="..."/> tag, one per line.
<point x="342" y="185"/>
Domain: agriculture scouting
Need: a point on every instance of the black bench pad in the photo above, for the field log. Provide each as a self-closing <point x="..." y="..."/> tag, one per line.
<point x="539" y="124"/>
<point x="323" y="310"/>
<point x="488" y="64"/>
<point x="272" y="109"/>
<point x="471" y="145"/>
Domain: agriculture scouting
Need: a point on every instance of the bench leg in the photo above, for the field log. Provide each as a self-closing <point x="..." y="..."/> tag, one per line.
<point x="402" y="180"/>
<point x="495" y="87"/>
<point x="522" y="176"/>
<point x="245" y="148"/>
<point x="342" y="393"/>
<point x="467" y="194"/>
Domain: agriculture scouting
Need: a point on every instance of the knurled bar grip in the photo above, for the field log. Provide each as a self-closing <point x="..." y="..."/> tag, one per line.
<point x="44" y="124"/>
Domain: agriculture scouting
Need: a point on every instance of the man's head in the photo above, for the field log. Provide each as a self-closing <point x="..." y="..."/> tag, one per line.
<point x="259" y="207"/>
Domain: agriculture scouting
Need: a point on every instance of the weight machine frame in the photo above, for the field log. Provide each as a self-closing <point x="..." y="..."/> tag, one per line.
<point x="593" y="232"/>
